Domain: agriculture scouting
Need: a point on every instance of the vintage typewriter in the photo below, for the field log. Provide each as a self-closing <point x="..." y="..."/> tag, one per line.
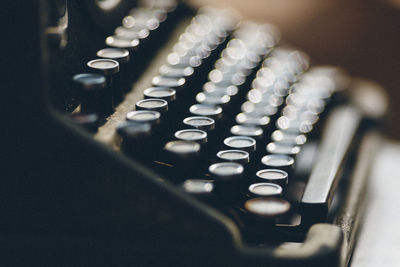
<point x="163" y="135"/>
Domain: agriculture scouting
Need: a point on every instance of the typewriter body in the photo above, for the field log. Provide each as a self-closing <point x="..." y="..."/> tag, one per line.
<point x="108" y="189"/>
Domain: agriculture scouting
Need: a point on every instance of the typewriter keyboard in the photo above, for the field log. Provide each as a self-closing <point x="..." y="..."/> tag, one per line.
<point x="232" y="118"/>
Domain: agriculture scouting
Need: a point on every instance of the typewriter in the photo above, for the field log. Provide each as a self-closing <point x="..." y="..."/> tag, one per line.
<point x="156" y="134"/>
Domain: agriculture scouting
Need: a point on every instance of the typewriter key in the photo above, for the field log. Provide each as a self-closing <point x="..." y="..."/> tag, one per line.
<point x="87" y="121"/>
<point x="247" y="130"/>
<point x="213" y="89"/>
<point x="265" y="190"/>
<point x="241" y="142"/>
<point x="154" y="104"/>
<point x="267" y="110"/>
<point x="122" y="56"/>
<point x="141" y="21"/>
<point x="168" y="94"/>
<point x="131" y="33"/>
<point x="293" y="126"/>
<point x="92" y="88"/>
<point x="273" y="176"/>
<point x="121" y="42"/>
<point x="119" y="54"/>
<point x="253" y="119"/>
<point x="283" y="148"/>
<point x="267" y="208"/>
<point x="135" y="138"/>
<point x="183" y="155"/>
<point x="212" y="111"/>
<point x="176" y="72"/>
<point x="110" y="69"/>
<point x="226" y="171"/>
<point x="209" y="99"/>
<point x="175" y="83"/>
<point x="174" y="59"/>
<point x="238" y="156"/>
<point x="201" y="123"/>
<point x="132" y="130"/>
<point x="182" y="148"/>
<point x="198" y="187"/>
<point x="195" y="135"/>
<point x="283" y="162"/>
<point x="144" y="116"/>
<point x="288" y="137"/>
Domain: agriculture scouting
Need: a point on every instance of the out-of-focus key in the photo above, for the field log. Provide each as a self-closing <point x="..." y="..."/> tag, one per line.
<point x="238" y="156"/>
<point x="241" y="142"/>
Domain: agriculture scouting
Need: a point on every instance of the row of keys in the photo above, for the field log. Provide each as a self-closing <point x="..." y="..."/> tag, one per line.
<point x="230" y="72"/>
<point x="195" y="45"/>
<point x="263" y="201"/>
<point x="264" y="195"/>
<point x="111" y="75"/>
<point x="311" y="88"/>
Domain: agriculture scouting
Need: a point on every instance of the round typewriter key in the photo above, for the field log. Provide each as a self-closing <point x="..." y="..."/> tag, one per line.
<point x="186" y="61"/>
<point x="212" y="111"/>
<point x="252" y="119"/>
<point x="267" y="110"/>
<point x="213" y="89"/>
<point x="196" y="135"/>
<point x="104" y="66"/>
<point x="122" y="56"/>
<point x="288" y="137"/>
<point x="155" y="104"/>
<point x="201" y="123"/>
<point x="168" y="94"/>
<point x="205" y="98"/>
<point x="283" y="162"/>
<point x="175" y="83"/>
<point x="176" y="72"/>
<point x="119" y="54"/>
<point x="121" y="42"/>
<point x="226" y="171"/>
<point x="148" y="116"/>
<point x="110" y="69"/>
<point x="294" y="126"/>
<point x="92" y="90"/>
<point x="132" y="130"/>
<point x="131" y="33"/>
<point x="267" y="208"/>
<point x="87" y="121"/>
<point x="182" y="148"/>
<point x="308" y="116"/>
<point x="241" y="142"/>
<point x="141" y="22"/>
<point x="316" y="105"/>
<point x="265" y="190"/>
<point x="283" y="148"/>
<point x="183" y="155"/>
<point x="135" y="138"/>
<point x="198" y="187"/>
<point x="238" y="156"/>
<point x="247" y="130"/>
<point x="273" y="176"/>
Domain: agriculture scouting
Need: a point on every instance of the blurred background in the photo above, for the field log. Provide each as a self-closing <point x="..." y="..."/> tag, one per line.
<point x="363" y="36"/>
